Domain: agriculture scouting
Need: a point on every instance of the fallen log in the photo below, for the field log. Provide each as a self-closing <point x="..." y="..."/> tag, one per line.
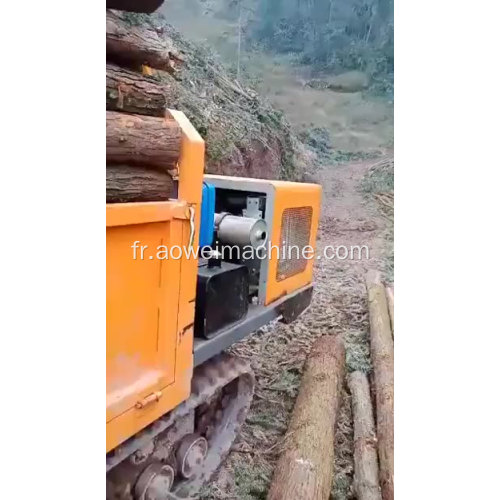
<point x="126" y="184"/>
<point x="132" y="92"/>
<point x="133" y="45"/>
<point x="382" y="355"/>
<point x="304" y="470"/>
<point x="366" y="483"/>
<point x="389" y="291"/>
<point x="142" y="140"/>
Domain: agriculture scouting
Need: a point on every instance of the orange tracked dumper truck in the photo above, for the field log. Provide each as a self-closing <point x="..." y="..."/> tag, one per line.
<point x="175" y="400"/>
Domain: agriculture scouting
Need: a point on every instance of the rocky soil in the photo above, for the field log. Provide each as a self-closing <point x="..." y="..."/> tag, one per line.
<point x="278" y="351"/>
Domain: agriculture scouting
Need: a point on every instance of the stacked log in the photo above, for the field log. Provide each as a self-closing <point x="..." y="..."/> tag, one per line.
<point x="127" y="183"/>
<point x="142" y="142"/>
<point x="138" y="45"/>
<point x="130" y="92"/>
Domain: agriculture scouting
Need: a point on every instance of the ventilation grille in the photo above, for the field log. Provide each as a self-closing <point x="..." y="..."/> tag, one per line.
<point x="295" y="235"/>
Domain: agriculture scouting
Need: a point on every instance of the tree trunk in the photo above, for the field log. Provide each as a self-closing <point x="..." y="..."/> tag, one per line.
<point x="304" y="470"/>
<point x="132" y="92"/>
<point x="382" y="354"/>
<point x="142" y="140"/>
<point x="133" y="45"/>
<point x="125" y="183"/>
<point x="366" y="483"/>
<point x="390" y="303"/>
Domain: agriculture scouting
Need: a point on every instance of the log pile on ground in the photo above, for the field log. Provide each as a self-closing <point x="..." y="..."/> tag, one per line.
<point x="304" y="471"/>
<point x="305" y="467"/>
<point x="382" y="355"/>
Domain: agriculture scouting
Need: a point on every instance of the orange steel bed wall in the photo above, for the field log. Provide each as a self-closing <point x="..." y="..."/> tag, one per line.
<point x="150" y="302"/>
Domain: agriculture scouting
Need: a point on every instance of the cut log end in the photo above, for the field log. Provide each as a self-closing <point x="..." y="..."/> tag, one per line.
<point x="373" y="277"/>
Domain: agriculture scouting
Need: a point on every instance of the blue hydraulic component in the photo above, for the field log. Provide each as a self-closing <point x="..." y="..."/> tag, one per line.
<point x="207" y="214"/>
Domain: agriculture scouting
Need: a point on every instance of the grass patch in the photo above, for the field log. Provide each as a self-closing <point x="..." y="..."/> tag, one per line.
<point x="341" y="488"/>
<point x="319" y="141"/>
<point x="379" y="179"/>
<point x="357" y="351"/>
<point x="251" y="481"/>
<point x="347" y="156"/>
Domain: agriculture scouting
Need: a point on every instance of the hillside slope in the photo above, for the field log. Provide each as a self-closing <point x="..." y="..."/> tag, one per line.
<point x="244" y="134"/>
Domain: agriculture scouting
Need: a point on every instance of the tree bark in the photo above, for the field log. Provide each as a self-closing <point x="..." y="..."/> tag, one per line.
<point x="389" y="290"/>
<point x="132" y="92"/>
<point x="125" y="183"/>
<point x="366" y="483"/>
<point x="382" y="354"/>
<point x="129" y="44"/>
<point x="304" y="470"/>
<point x="142" y="140"/>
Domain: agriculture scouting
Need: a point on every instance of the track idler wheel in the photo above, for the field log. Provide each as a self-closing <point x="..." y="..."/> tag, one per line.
<point x="155" y="482"/>
<point x="191" y="454"/>
<point x="225" y="384"/>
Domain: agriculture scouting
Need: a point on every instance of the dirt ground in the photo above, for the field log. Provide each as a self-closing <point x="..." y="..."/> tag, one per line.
<point x="278" y="351"/>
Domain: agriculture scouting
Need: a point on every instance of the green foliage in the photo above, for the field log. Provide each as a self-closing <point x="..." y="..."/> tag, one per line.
<point x="231" y="118"/>
<point x="319" y="140"/>
<point x="331" y="35"/>
<point x="134" y="19"/>
<point x="379" y="179"/>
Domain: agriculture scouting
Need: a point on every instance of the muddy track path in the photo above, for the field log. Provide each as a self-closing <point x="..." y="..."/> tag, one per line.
<point x="277" y="352"/>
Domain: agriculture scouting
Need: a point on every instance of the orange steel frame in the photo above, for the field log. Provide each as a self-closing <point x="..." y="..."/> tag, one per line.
<point x="285" y="195"/>
<point x="289" y="195"/>
<point x="150" y="302"/>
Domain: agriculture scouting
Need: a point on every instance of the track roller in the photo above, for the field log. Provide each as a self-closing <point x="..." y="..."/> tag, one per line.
<point x="184" y="449"/>
<point x="191" y="454"/>
<point x="155" y="482"/>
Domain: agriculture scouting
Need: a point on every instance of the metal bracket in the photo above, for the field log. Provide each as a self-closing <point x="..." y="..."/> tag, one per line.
<point x="252" y="211"/>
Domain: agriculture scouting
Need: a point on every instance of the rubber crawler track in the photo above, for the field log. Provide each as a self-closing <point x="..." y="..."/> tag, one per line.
<point x="208" y="379"/>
